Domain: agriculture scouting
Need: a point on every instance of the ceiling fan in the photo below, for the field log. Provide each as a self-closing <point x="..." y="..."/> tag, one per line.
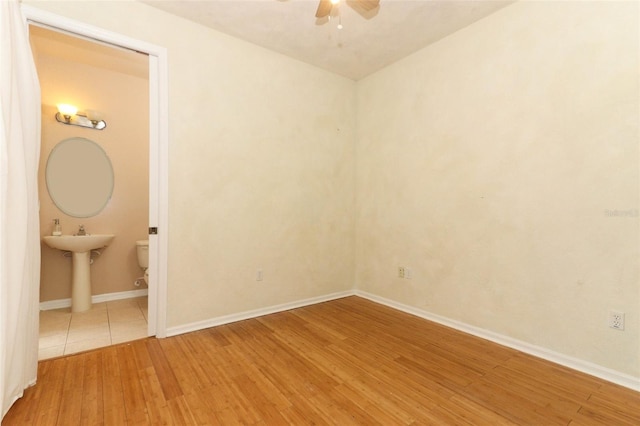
<point x="363" y="7"/>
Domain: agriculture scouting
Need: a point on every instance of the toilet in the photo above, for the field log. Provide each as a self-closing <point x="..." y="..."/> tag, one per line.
<point x="142" y="248"/>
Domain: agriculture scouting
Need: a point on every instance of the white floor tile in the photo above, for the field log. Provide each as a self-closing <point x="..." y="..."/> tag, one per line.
<point x="127" y="331"/>
<point x="52" y="352"/>
<point x="85" y="345"/>
<point x="52" y="340"/>
<point x="125" y="314"/>
<point x="88" y="333"/>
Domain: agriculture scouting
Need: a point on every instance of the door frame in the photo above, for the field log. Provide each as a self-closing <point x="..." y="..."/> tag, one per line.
<point x="158" y="150"/>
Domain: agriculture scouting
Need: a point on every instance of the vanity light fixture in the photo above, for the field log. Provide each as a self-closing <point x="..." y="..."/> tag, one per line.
<point x="68" y="114"/>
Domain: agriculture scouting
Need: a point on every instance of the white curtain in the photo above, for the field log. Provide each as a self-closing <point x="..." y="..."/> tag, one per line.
<point x="19" y="223"/>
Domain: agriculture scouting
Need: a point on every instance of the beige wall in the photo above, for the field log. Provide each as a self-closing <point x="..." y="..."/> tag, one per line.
<point x="123" y="100"/>
<point x="261" y="177"/>
<point x="487" y="163"/>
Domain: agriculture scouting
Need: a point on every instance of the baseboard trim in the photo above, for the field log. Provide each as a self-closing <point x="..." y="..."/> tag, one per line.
<point x="98" y="298"/>
<point x="604" y="373"/>
<point x="227" y="319"/>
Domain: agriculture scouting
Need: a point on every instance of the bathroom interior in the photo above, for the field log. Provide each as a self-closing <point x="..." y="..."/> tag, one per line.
<point x="109" y="86"/>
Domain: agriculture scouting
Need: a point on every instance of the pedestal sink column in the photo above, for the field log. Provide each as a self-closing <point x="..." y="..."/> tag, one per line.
<point x="81" y="282"/>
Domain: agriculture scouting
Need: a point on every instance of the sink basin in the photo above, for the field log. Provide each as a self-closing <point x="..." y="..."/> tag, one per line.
<point x="80" y="247"/>
<point x="78" y="243"/>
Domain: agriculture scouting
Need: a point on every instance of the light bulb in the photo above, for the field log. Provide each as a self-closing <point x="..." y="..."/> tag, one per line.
<point x="67" y="110"/>
<point x="334" y="2"/>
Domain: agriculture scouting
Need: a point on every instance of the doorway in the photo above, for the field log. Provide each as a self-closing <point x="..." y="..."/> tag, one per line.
<point x="157" y="150"/>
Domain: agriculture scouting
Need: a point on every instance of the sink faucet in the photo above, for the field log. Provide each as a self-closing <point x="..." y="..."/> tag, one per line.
<point x="81" y="231"/>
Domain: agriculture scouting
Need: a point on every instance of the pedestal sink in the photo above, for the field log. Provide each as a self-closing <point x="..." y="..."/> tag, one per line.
<point x="80" y="246"/>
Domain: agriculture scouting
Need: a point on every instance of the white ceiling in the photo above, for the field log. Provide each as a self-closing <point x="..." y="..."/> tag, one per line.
<point x="396" y="29"/>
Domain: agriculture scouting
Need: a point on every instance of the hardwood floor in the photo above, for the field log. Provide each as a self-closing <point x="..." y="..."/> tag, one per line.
<point x="348" y="361"/>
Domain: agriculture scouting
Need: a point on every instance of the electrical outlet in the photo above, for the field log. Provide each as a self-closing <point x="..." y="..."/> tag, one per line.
<point x="616" y="320"/>
<point x="259" y="275"/>
<point x="401" y="271"/>
<point x="408" y="273"/>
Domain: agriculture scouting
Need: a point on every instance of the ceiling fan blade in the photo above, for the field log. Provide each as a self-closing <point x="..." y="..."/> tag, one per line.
<point x="324" y="8"/>
<point x="366" y="8"/>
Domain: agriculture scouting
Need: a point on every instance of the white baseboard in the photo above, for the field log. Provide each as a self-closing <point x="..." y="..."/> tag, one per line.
<point x="604" y="373"/>
<point x="98" y="298"/>
<point x="226" y="319"/>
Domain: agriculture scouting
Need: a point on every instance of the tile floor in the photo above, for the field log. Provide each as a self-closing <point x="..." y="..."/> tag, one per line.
<point x="108" y="323"/>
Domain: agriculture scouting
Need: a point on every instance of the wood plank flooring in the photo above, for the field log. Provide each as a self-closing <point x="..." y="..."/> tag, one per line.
<point x="346" y="362"/>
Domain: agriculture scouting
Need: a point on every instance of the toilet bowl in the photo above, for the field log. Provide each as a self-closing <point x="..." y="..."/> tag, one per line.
<point x="142" y="249"/>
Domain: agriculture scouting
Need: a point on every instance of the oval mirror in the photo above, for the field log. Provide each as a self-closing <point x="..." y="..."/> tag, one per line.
<point x="79" y="177"/>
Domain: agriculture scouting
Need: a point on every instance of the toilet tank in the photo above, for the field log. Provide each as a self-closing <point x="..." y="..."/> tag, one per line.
<point x="142" y="248"/>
